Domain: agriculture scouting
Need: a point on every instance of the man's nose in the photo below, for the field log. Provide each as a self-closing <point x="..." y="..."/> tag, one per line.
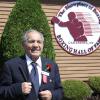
<point x="35" y="44"/>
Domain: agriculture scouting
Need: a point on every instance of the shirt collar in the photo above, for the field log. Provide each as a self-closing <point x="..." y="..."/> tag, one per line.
<point x="29" y="61"/>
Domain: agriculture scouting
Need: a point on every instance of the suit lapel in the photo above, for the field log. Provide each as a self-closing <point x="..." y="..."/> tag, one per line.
<point x="23" y="68"/>
<point x="48" y="85"/>
<point x="44" y="63"/>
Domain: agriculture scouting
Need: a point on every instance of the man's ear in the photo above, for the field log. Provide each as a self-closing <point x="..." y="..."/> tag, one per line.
<point x="23" y="44"/>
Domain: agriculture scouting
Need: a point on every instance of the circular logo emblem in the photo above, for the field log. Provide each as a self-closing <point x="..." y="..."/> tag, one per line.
<point x="77" y="28"/>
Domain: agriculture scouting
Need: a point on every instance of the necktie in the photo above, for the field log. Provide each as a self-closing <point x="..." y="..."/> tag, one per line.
<point x="35" y="77"/>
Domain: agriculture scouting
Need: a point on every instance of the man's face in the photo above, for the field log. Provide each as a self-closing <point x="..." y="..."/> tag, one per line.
<point x="34" y="45"/>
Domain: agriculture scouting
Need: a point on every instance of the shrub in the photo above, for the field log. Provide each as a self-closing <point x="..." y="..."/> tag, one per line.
<point x="76" y="90"/>
<point x="26" y="14"/>
<point x="94" y="82"/>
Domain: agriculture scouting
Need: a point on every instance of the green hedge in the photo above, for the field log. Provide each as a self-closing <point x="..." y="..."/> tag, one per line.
<point x="76" y="90"/>
<point x="94" y="82"/>
<point x="26" y="14"/>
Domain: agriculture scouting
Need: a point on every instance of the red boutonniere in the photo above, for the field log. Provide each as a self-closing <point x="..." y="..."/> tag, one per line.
<point x="47" y="69"/>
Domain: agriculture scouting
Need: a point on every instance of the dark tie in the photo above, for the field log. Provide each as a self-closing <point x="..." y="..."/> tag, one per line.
<point x="35" y="77"/>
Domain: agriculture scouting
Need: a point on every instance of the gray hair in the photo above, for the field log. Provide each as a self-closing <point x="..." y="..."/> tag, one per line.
<point x="25" y="37"/>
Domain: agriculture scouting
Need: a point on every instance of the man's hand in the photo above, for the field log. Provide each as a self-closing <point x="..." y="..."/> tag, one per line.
<point x="26" y="87"/>
<point x="46" y="95"/>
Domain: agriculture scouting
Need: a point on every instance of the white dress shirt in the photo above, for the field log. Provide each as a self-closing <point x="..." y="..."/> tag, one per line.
<point x="39" y="67"/>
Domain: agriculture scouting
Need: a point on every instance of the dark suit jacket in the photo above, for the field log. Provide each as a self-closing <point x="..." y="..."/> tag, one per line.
<point x="15" y="72"/>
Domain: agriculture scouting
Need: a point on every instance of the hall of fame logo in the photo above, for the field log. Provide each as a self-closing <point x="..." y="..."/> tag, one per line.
<point x="77" y="28"/>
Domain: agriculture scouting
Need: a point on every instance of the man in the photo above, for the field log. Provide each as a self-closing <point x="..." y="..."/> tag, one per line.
<point x="16" y="80"/>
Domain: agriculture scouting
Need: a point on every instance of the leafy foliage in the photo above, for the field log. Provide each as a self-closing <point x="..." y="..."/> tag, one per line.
<point x="26" y="14"/>
<point x="94" y="82"/>
<point x="76" y="90"/>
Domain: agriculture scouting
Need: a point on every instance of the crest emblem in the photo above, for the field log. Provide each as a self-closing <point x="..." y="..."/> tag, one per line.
<point x="77" y="28"/>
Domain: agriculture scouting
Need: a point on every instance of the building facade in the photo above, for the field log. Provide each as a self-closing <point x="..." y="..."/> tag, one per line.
<point x="70" y="66"/>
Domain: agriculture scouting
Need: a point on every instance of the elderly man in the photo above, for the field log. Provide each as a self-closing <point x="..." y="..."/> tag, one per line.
<point x="30" y="77"/>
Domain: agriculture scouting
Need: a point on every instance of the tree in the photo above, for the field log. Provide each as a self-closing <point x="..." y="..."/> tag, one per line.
<point x="26" y="14"/>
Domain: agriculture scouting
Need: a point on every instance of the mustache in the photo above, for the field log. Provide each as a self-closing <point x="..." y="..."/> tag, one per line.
<point x="35" y="49"/>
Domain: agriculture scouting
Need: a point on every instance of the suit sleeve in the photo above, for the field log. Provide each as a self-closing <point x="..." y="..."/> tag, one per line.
<point x="8" y="89"/>
<point x="57" y="93"/>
